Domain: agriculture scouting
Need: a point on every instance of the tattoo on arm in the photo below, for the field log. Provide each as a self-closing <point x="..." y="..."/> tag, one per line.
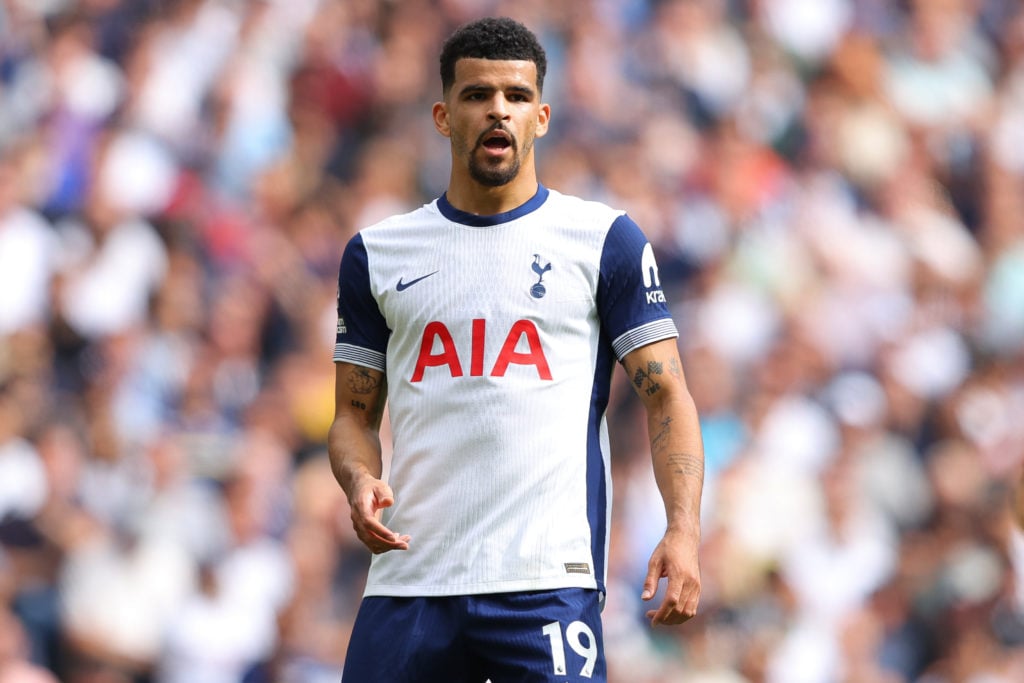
<point x="686" y="464"/>
<point x="674" y="369"/>
<point x="657" y="439"/>
<point x="360" y="381"/>
<point x="358" y="404"/>
<point x="644" y="377"/>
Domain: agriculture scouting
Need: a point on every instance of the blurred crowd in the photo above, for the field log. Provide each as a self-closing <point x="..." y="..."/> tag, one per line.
<point x="834" y="190"/>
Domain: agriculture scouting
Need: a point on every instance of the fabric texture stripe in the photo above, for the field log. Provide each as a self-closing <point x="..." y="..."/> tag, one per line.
<point x="645" y="334"/>
<point x="347" y="353"/>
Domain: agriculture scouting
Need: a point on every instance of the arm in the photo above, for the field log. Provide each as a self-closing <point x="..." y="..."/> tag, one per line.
<point x="353" y="445"/>
<point x="678" y="458"/>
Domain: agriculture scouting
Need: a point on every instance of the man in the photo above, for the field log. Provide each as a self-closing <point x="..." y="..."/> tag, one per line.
<point x="491" y="320"/>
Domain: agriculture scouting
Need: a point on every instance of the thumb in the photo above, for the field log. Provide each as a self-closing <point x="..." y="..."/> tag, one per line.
<point x="383" y="497"/>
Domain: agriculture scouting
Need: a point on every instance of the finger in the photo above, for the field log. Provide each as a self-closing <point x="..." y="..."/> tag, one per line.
<point x="396" y="544"/>
<point x="373" y="533"/>
<point x="389" y="541"/>
<point x="668" y="621"/>
<point x="654" y="573"/>
<point x="381" y="533"/>
<point x="690" y="609"/>
<point x="364" y="507"/>
<point x="664" y="612"/>
<point x="670" y="604"/>
<point x="678" y="610"/>
<point x="668" y="614"/>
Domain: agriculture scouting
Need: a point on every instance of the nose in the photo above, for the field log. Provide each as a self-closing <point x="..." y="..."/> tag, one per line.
<point x="499" y="108"/>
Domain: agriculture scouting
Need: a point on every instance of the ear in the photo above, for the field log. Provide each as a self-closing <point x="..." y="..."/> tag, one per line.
<point x="440" y="114"/>
<point x="543" y="118"/>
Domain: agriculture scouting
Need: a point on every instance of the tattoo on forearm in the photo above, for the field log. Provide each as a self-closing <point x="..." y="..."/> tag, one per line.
<point x="360" y="381"/>
<point x="645" y="377"/>
<point x="358" y="404"/>
<point x="686" y="464"/>
<point x="657" y="441"/>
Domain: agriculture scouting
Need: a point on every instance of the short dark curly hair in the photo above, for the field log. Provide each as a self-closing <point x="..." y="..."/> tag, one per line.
<point x="492" y="38"/>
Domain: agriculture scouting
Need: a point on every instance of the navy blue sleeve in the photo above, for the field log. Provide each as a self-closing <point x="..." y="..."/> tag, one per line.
<point x="362" y="330"/>
<point x="630" y="300"/>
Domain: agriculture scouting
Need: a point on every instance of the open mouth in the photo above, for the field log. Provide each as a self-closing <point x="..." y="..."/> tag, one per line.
<point x="496" y="141"/>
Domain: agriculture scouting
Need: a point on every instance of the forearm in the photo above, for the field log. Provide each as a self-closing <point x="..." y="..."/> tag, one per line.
<point x="677" y="453"/>
<point x="353" y="446"/>
<point x="354" y="451"/>
<point x="353" y="442"/>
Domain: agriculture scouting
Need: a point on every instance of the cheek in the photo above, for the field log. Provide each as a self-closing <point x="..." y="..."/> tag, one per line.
<point x="460" y="140"/>
<point x="527" y="138"/>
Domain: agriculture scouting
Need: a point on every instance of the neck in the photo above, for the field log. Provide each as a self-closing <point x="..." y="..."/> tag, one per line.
<point x="466" y="194"/>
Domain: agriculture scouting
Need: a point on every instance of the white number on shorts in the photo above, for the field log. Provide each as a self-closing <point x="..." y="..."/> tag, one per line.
<point x="573" y="633"/>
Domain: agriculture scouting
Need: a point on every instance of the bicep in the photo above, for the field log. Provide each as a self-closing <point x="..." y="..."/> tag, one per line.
<point x="655" y="372"/>
<point x="359" y="393"/>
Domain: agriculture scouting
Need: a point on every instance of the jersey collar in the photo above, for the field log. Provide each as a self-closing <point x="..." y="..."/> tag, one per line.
<point x="475" y="221"/>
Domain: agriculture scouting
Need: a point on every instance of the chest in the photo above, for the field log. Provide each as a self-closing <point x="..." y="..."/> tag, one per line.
<point x="460" y="274"/>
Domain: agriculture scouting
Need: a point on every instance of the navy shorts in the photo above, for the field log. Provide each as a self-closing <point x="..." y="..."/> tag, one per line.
<point x="502" y="637"/>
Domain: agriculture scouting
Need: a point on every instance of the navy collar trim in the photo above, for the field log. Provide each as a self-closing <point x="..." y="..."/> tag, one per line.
<point x="475" y="221"/>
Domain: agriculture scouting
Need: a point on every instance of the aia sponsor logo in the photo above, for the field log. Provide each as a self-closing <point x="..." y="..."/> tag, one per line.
<point x="522" y="346"/>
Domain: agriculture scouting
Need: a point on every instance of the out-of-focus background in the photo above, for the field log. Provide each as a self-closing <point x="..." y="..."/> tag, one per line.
<point x="835" y="192"/>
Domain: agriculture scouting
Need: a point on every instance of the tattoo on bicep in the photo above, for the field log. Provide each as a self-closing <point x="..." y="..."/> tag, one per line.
<point x="360" y="381"/>
<point x="358" y="404"/>
<point x="674" y="369"/>
<point x="686" y="464"/>
<point x="644" y="379"/>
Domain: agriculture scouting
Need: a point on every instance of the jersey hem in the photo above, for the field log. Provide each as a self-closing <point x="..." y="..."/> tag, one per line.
<point x="406" y="591"/>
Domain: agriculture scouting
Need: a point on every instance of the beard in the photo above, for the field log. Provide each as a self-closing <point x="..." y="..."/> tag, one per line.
<point x="493" y="173"/>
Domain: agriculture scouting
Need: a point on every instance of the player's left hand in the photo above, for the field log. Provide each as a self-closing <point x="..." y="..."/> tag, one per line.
<point x="675" y="559"/>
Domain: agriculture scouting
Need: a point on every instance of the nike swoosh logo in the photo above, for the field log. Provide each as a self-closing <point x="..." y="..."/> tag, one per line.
<point x="402" y="286"/>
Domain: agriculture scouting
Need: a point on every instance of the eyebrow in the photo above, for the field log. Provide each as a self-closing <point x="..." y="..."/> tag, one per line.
<point x="479" y="87"/>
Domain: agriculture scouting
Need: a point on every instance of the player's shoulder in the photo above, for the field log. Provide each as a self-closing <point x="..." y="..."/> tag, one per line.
<point x="418" y="217"/>
<point x="581" y="206"/>
<point x="591" y="214"/>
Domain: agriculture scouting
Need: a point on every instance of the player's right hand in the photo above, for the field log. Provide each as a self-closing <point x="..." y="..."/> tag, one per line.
<point x="367" y="502"/>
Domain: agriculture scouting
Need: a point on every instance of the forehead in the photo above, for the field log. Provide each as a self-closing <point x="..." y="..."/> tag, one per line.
<point x="499" y="73"/>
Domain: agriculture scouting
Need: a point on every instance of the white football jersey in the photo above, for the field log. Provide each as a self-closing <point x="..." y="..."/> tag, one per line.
<point x="498" y="335"/>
